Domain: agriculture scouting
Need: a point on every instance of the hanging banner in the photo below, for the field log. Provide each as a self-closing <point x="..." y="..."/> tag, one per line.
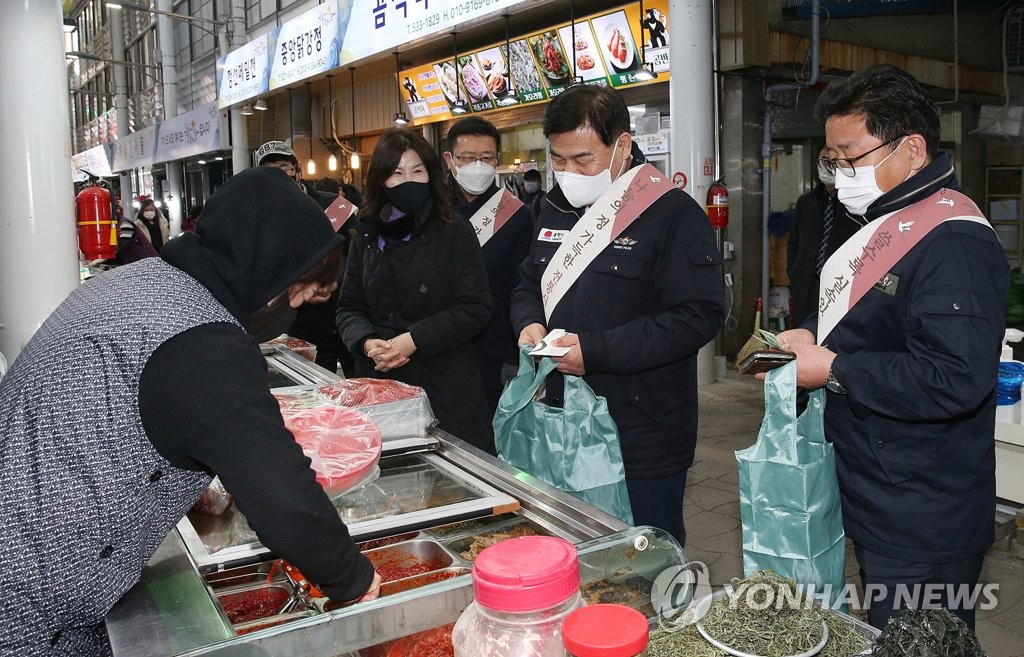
<point x="381" y="25"/>
<point x="135" y="150"/>
<point x="189" y="134"/>
<point x="93" y="162"/>
<point x="309" y="44"/>
<point x="607" y="49"/>
<point x="245" y="73"/>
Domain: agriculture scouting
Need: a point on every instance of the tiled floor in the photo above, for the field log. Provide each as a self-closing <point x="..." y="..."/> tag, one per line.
<point x="730" y="415"/>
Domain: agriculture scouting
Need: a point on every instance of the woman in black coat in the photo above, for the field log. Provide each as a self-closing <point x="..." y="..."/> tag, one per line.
<point x="415" y="290"/>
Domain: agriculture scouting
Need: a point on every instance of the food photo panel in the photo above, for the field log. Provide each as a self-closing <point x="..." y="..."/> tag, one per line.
<point x="493" y="67"/>
<point x="450" y="87"/>
<point x="475" y="84"/>
<point x="551" y="62"/>
<point x="617" y="47"/>
<point x="525" y="76"/>
<point x="585" y="51"/>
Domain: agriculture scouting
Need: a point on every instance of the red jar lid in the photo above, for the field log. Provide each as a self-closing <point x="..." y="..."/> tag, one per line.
<point x="526" y="574"/>
<point x="605" y="631"/>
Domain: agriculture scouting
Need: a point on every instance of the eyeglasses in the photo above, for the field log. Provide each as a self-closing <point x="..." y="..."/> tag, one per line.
<point x="283" y="166"/>
<point x="490" y="159"/>
<point x="845" y="164"/>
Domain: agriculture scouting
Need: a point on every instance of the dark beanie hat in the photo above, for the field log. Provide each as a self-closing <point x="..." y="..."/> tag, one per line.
<point x="256" y="236"/>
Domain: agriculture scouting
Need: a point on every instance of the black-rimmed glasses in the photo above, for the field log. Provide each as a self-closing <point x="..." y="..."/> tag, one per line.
<point x="486" y="158"/>
<point x="845" y="164"/>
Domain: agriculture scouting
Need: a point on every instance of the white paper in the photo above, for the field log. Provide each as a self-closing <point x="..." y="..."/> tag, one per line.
<point x="544" y="347"/>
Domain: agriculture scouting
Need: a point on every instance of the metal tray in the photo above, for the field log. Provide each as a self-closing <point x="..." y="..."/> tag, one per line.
<point x="457" y="529"/>
<point x="417" y="581"/>
<point x="459" y="546"/>
<point x="410" y="558"/>
<point x="262" y="573"/>
<point x="386" y="541"/>
<point x="271" y="621"/>
<point x="251" y="602"/>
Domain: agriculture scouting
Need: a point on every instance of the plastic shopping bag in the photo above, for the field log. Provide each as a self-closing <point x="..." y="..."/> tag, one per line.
<point x="789" y="493"/>
<point x="574" y="448"/>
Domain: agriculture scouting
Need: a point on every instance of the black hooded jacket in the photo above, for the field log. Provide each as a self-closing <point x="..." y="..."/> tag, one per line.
<point x="203" y="395"/>
<point x="434" y="286"/>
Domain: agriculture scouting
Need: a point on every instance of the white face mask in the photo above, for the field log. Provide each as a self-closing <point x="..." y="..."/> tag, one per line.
<point x="531" y="186"/>
<point x="149" y="214"/>
<point x="860" y="191"/>
<point x="582" y="190"/>
<point x="825" y="177"/>
<point x="475" y="178"/>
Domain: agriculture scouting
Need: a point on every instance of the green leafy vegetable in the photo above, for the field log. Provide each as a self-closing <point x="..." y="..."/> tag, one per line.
<point x="927" y="633"/>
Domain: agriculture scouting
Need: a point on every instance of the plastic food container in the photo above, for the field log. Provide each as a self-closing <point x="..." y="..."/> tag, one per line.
<point x="523" y="589"/>
<point x="342" y="444"/>
<point x="398" y="409"/>
<point x="305" y="349"/>
<point x="605" y="631"/>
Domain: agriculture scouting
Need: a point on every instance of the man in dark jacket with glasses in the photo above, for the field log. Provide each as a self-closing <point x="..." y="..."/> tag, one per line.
<point x="906" y="340"/>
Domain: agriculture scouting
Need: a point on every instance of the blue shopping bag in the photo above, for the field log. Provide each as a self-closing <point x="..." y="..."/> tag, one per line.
<point x="574" y="448"/>
<point x="789" y="492"/>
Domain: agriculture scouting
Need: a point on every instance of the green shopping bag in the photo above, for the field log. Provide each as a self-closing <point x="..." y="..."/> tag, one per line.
<point x="789" y="493"/>
<point x="574" y="448"/>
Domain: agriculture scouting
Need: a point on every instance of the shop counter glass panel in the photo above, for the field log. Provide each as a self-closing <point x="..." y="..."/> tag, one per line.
<point x="412" y="492"/>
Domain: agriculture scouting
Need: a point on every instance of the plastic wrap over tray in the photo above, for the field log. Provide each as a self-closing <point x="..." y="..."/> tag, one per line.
<point x="305" y="349"/>
<point x="399" y="409"/>
<point x="298" y="399"/>
<point x="343" y="444"/>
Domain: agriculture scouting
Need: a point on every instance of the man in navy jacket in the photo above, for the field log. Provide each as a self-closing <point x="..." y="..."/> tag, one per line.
<point x="911" y="366"/>
<point x="641" y="309"/>
<point x="473" y="147"/>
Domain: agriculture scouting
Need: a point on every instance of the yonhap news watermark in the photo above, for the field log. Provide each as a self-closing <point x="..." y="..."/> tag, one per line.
<point x="687" y="589"/>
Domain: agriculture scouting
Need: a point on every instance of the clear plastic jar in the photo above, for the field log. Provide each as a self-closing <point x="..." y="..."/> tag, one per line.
<point x="523" y="590"/>
<point x="605" y="631"/>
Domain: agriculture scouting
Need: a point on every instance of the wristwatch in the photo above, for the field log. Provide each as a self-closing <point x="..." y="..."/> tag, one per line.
<point x="832" y="384"/>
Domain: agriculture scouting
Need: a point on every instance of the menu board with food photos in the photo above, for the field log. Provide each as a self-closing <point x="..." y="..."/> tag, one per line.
<point x="606" y="49"/>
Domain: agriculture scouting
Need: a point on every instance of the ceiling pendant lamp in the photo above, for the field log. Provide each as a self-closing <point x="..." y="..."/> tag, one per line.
<point x="401" y="120"/>
<point x="354" y="162"/>
<point x="332" y="161"/>
<point x="261" y="105"/>
<point x="311" y="164"/>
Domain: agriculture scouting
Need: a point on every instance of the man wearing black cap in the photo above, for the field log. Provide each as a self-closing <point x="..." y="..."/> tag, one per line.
<point x="142" y="385"/>
<point x="280" y="155"/>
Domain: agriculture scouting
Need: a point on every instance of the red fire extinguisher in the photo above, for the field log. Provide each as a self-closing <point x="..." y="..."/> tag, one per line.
<point x="718" y="204"/>
<point x="97" y="231"/>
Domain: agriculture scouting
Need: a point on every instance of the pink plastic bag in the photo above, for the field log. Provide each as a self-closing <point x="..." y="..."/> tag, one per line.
<point x="344" y="446"/>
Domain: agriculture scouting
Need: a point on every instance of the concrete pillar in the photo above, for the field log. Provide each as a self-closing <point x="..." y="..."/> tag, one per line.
<point x="116" y="19"/>
<point x="165" y="44"/>
<point x="692" y="120"/>
<point x="38" y="240"/>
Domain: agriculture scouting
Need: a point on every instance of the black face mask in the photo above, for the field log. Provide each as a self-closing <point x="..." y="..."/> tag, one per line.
<point x="272" y="319"/>
<point x="409" y="197"/>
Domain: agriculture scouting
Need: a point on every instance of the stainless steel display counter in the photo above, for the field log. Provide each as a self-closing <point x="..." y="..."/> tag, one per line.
<point x="181" y="604"/>
<point x="173" y="611"/>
